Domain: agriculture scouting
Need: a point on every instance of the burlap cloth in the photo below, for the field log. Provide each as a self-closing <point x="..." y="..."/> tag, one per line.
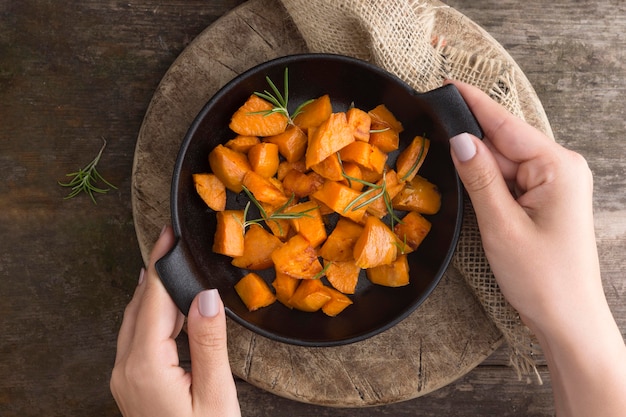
<point x="399" y="35"/>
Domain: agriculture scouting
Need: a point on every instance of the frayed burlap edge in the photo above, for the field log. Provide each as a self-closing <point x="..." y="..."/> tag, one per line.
<point x="398" y="35"/>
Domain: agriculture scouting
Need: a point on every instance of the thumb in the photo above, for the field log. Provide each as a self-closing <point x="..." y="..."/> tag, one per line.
<point x="213" y="387"/>
<point x="480" y="173"/>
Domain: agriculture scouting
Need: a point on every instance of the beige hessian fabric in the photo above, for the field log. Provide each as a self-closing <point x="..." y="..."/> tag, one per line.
<point x="398" y="35"/>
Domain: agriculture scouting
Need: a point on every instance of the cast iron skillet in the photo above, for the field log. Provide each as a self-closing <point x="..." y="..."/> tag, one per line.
<point x="191" y="266"/>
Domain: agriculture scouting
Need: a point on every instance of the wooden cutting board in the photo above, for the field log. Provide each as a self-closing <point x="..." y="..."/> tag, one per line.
<point x="441" y="341"/>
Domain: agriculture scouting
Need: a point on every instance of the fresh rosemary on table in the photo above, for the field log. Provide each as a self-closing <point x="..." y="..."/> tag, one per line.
<point x="84" y="179"/>
<point x="279" y="100"/>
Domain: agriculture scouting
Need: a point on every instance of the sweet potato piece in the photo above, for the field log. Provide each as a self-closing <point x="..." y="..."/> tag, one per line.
<point x="367" y="156"/>
<point x="281" y="228"/>
<point x="393" y="186"/>
<point x="314" y="113"/>
<point x="254" y="292"/>
<point x="211" y="189"/>
<point x="285" y="286"/>
<point x="339" y="245"/>
<point x="331" y="136"/>
<point x="263" y="189"/>
<point x="242" y="143"/>
<point x="301" y="184"/>
<point x="353" y="170"/>
<point x="251" y="119"/>
<point x="229" y="238"/>
<point x="338" y="197"/>
<point x="383" y="137"/>
<point x="411" y="158"/>
<point x="229" y="166"/>
<point x="360" y="122"/>
<point x="343" y="276"/>
<point x="310" y="225"/>
<point x="329" y="168"/>
<point x="291" y="143"/>
<point x="376" y="246"/>
<point x="310" y="296"/>
<point x="285" y="166"/>
<point x="419" y="195"/>
<point x="337" y="303"/>
<point x="264" y="160"/>
<point x="381" y="114"/>
<point x="297" y="258"/>
<point x="412" y="230"/>
<point x="395" y="274"/>
<point x="258" y="245"/>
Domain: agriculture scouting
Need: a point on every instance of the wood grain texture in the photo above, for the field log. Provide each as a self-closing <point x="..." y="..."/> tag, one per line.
<point x="74" y="71"/>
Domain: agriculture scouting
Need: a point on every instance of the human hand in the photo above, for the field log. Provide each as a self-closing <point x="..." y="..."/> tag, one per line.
<point x="147" y="379"/>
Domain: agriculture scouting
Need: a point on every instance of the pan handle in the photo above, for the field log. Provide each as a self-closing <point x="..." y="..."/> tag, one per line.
<point x="448" y="110"/>
<point x="179" y="275"/>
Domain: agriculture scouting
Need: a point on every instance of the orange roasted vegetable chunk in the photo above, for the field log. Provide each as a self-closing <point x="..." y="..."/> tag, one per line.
<point x="329" y="168"/>
<point x="381" y="114"/>
<point x="412" y="230"/>
<point x="338" y="197"/>
<point x="211" y="190"/>
<point x="264" y="159"/>
<point x="310" y="225"/>
<point x="384" y="138"/>
<point x="229" y="166"/>
<point x="258" y="245"/>
<point x="301" y="184"/>
<point x="367" y="156"/>
<point x="340" y="243"/>
<point x="411" y="158"/>
<point x="285" y="286"/>
<point x="297" y="258"/>
<point x="310" y="296"/>
<point x="360" y="123"/>
<point x="376" y="246"/>
<point x="254" y="292"/>
<point x="228" y="239"/>
<point x="395" y="274"/>
<point x="419" y="195"/>
<point x="242" y="143"/>
<point x="343" y="276"/>
<point x="263" y="189"/>
<point x="291" y="143"/>
<point x="352" y="170"/>
<point x="393" y="186"/>
<point x="337" y="303"/>
<point x="331" y="136"/>
<point x="314" y="113"/>
<point x="251" y="119"/>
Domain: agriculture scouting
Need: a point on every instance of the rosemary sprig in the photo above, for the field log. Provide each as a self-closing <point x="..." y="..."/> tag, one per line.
<point x="85" y="178"/>
<point x="323" y="271"/>
<point x="280" y="100"/>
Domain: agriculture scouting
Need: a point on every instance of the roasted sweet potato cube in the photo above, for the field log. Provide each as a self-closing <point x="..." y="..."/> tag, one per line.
<point x="310" y="296"/>
<point x="337" y="303"/>
<point x="252" y="119"/>
<point x="301" y="184"/>
<point x="411" y="158"/>
<point x="413" y="229"/>
<point x="393" y="187"/>
<point x="419" y="195"/>
<point x="395" y="274"/>
<point x="383" y="137"/>
<point x="284" y="167"/>
<point x="211" y="189"/>
<point x="338" y="197"/>
<point x="329" y="168"/>
<point x="360" y="122"/>
<point x="281" y="228"/>
<point x="343" y="276"/>
<point x="331" y="136"/>
<point x="381" y="114"/>
<point x="264" y="159"/>
<point x="242" y="143"/>
<point x="229" y="238"/>
<point x="354" y="171"/>
<point x="315" y="113"/>
<point x="291" y="143"/>
<point x="285" y="286"/>
<point x="258" y="245"/>
<point x="367" y="156"/>
<point x="229" y="166"/>
<point x="263" y="189"/>
<point x="297" y="258"/>
<point x="254" y="292"/>
<point x="310" y="224"/>
<point x="340" y="243"/>
<point x="376" y="246"/>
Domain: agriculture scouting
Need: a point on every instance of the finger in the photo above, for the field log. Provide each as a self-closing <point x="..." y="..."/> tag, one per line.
<point x="212" y="382"/>
<point x="127" y="328"/>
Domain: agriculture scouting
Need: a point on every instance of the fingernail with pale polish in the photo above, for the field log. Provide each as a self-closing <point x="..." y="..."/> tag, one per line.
<point x="141" y="276"/>
<point x="209" y="303"/>
<point x="463" y="146"/>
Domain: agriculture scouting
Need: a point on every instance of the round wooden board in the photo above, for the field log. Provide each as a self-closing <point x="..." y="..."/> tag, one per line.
<point x="441" y="341"/>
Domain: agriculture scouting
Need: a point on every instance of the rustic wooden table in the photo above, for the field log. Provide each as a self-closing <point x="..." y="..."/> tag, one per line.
<point x="75" y="71"/>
